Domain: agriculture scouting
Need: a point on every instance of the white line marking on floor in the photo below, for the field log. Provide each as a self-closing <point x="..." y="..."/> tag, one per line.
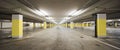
<point x="108" y="44"/>
<point x="103" y="42"/>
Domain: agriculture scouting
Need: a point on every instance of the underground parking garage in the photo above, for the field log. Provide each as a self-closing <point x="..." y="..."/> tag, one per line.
<point x="59" y="25"/>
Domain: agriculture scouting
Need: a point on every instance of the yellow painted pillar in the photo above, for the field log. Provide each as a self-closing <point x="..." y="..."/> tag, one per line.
<point x="100" y="28"/>
<point x="17" y="26"/>
<point x="80" y="25"/>
<point x="87" y="24"/>
<point x="83" y="25"/>
<point x="45" y="25"/>
<point x="71" y="25"/>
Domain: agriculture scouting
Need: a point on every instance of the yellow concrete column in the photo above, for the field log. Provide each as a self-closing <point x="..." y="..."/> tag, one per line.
<point x="87" y="24"/>
<point x="17" y="26"/>
<point x="100" y="28"/>
<point x="71" y="25"/>
<point x="80" y="25"/>
<point x="34" y="25"/>
<point x="83" y="24"/>
<point x="75" y="24"/>
<point x="45" y="25"/>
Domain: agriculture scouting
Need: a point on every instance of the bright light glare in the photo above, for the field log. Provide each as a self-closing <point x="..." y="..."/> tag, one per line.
<point x="65" y="19"/>
<point x="109" y="20"/>
<point x="77" y="13"/>
<point x="44" y="12"/>
<point x="72" y="12"/>
<point x="39" y="13"/>
<point x="51" y="19"/>
<point x="62" y="21"/>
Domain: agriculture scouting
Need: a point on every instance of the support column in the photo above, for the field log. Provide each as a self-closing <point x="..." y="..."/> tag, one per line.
<point x="115" y="24"/>
<point x="1" y="25"/>
<point x="80" y="25"/>
<point x="83" y="25"/>
<point x="87" y="24"/>
<point x="17" y="26"/>
<point x="34" y="26"/>
<point x="45" y="25"/>
<point x="71" y="25"/>
<point x="100" y="25"/>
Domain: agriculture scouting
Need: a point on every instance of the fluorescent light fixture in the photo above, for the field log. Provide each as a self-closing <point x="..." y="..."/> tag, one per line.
<point x="109" y="20"/>
<point x="65" y="19"/>
<point x="70" y="14"/>
<point x="38" y="13"/>
<point x="62" y="21"/>
<point x="77" y="13"/>
<point x="51" y="19"/>
<point x="44" y="12"/>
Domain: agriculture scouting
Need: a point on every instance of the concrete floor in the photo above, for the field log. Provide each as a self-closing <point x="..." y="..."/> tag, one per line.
<point x="57" y="38"/>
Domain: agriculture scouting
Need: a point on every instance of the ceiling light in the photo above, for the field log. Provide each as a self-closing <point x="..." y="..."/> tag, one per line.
<point x="77" y="13"/>
<point x="70" y="14"/>
<point x="46" y="14"/>
<point x="109" y="20"/>
<point x="62" y="21"/>
<point x="38" y="13"/>
<point x="65" y="19"/>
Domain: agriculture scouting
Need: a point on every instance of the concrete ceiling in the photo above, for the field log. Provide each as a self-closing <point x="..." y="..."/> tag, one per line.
<point x="55" y="8"/>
